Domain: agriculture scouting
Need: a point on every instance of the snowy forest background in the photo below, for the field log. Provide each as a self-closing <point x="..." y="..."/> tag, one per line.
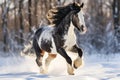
<point x="19" y="18"/>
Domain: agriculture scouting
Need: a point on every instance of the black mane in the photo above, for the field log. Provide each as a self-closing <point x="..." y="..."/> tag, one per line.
<point x="56" y="15"/>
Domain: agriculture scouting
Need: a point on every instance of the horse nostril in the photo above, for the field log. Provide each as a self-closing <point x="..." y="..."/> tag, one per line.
<point x="82" y="28"/>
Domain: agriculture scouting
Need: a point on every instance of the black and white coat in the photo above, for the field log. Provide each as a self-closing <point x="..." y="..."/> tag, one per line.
<point x="55" y="40"/>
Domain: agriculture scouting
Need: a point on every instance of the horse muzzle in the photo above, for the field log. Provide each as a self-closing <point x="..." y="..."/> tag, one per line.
<point x="83" y="29"/>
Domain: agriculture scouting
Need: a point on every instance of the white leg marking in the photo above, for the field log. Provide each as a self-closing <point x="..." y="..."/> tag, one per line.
<point x="42" y="70"/>
<point x="70" y="69"/>
<point x="48" y="61"/>
<point x="77" y="62"/>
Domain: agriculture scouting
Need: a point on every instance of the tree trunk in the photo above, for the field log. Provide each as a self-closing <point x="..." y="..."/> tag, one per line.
<point x="5" y="10"/>
<point x="35" y="12"/>
<point x="116" y="14"/>
<point x="29" y="14"/>
<point x="15" y="18"/>
<point x="21" y="21"/>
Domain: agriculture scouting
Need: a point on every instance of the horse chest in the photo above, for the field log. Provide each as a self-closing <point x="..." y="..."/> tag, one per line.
<point x="70" y="38"/>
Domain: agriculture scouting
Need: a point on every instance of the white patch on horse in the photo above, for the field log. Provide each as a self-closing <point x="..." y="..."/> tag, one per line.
<point x="45" y="35"/>
<point x="53" y="49"/>
<point x="70" y="38"/>
<point x="82" y="21"/>
<point x="81" y="18"/>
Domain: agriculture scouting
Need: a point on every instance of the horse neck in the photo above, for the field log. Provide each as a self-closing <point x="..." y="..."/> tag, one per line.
<point x="63" y="27"/>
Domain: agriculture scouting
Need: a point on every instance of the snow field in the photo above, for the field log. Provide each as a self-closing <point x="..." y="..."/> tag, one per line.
<point x="96" y="67"/>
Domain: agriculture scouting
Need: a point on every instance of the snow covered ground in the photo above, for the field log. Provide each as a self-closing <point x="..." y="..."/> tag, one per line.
<point x="96" y="67"/>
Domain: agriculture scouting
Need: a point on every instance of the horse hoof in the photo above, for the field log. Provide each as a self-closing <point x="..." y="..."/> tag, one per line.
<point x="38" y="62"/>
<point x="77" y="63"/>
<point x="75" y="66"/>
<point x="70" y="69"/>
<point x="43" y="72"/>
<point x="71" y="74"/>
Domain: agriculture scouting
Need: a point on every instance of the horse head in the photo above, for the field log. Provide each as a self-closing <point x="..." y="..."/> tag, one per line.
<point x="78" y="18"/>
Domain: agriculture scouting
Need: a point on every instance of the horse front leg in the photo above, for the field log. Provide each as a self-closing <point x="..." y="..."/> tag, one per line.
<point x="63" y="53"/>
<point x="78" y="61"/>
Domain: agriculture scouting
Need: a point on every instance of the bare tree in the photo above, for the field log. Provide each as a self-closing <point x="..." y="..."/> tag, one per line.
<point x="5" y="9"/>
<point x="35" y="11"/>
<point x="21" y="21"/>
<point x="116" y="13"/>
<point x="15" y="17"/>
<point x="29" y="14"/>
<point x="116" y="16"/>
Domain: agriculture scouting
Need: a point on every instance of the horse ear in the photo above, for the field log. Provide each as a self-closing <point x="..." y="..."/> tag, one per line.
<point x="74" y="3"/>
<point x="77" y="4"/>
<point x="81" y="6"/>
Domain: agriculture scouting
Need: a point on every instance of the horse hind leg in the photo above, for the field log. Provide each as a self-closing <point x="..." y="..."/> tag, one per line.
<point x="39" y="54"/>
<point x="39" y="61"/>
<point x="39" y="57"/>
<point x="49" y="59"/>
<point x="78" y="61"/>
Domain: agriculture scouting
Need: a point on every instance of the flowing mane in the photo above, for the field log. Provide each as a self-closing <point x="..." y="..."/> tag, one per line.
<point x="56" y="15"/>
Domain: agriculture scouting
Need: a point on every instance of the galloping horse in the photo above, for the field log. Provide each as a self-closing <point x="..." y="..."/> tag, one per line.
<point x="53" y="38"/>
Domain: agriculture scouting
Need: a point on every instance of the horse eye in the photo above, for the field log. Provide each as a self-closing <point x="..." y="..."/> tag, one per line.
<point x="76" y="15"/>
